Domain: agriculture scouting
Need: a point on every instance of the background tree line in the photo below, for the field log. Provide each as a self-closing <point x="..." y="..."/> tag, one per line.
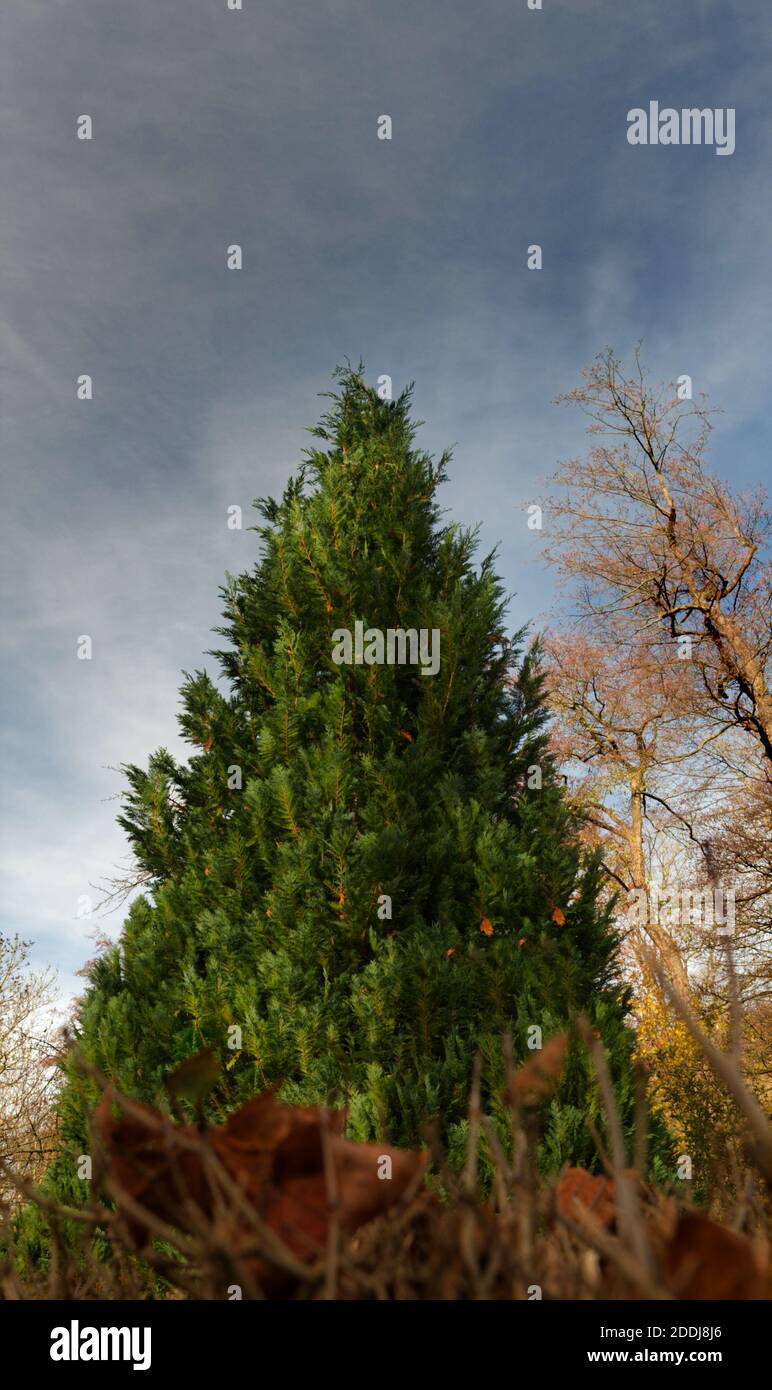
<point x="660" y="683"/>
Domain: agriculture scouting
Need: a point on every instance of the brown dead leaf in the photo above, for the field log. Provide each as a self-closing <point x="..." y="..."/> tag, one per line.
<point x="275" y="1155"/>
<point x="593" y="1193"/>
<point x="537" y="1077"/>
<point x="706" y="1260"/>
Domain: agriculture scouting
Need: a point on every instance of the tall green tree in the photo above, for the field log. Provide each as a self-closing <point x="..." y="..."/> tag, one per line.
<point x="365" y="872"/>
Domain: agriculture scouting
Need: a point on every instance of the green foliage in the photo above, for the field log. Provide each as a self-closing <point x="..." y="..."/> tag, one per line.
<point x="317" y="789"/>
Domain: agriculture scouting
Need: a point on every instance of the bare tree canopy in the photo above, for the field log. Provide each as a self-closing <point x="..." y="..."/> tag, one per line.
<point x="666" y="547"/>
<point x="27" y="1077"/>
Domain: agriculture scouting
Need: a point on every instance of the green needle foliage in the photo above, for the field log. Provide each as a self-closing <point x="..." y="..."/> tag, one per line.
<point x="323" y="874"/>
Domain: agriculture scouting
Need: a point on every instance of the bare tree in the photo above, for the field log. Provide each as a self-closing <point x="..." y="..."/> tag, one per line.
<point x="27" y="1077"/>
<point x="668" y="548"/>
<point x="661" y="686"/>
<point x="626" y="725"/>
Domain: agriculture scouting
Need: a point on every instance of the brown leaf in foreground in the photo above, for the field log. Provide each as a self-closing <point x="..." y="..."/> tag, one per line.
<point x="697" y="1258"/>
<point x="537" y="1077"/>
<point x="274" y="1154"/>
<point x="706" y="1260"/>
<point x="595" y="1194"/>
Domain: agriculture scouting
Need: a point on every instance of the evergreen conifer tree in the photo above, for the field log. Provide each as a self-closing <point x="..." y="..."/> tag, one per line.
<point x="365" y="873"/>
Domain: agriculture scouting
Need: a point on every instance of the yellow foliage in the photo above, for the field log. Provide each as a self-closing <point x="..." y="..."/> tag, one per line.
<point x="681" y="1085"/>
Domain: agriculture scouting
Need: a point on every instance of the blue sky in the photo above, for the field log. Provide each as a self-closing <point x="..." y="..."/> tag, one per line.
<point x="259" y="127"/>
